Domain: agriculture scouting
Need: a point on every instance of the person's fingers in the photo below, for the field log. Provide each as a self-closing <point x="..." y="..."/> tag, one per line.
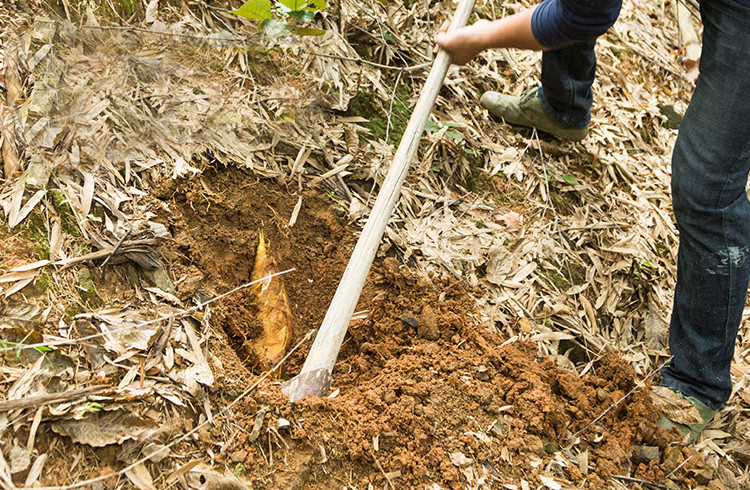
<point x="445" y="26"/>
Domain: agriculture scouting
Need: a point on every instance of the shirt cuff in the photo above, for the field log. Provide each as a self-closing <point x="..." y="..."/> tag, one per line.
<point x="560" y="23"/>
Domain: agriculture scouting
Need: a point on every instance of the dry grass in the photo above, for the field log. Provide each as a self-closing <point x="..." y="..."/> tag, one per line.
<point x="557" y="237"/>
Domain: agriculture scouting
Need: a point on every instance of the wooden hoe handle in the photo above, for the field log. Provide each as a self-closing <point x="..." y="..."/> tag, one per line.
<point x="315" y="377"/>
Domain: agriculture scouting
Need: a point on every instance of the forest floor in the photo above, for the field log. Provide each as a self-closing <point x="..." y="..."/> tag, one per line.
<point x="511" y="329"/>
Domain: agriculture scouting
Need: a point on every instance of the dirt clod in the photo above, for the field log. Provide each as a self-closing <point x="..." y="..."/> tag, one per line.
<point x="428" y="324"/>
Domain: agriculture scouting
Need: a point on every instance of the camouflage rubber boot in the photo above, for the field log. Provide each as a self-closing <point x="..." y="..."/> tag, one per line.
<point x="689" y="419"/>
<point x="527" y="110"/>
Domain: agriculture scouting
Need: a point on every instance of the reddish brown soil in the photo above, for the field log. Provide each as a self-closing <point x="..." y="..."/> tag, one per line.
<point x="419" y="380"/>
<point x="215" y="221"/>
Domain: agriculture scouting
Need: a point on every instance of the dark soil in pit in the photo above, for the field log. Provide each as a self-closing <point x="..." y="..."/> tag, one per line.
<point x="425" y="394"/>
<point x="216" y="220"/>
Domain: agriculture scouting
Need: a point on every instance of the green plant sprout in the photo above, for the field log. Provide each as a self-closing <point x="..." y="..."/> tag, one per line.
<point x="4" y="344"/>
<point x="646" y="263"/>
<point x="91" y="407"/>
<point x="432" y="127"/>
<point x="290" y="11"/>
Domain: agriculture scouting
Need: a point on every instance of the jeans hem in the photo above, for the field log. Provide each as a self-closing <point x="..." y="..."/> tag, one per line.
<point x="551" y="112"/>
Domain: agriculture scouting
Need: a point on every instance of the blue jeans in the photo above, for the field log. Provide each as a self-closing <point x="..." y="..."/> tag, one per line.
<point x="710" y="167"/>
<point x="567" y="75"/>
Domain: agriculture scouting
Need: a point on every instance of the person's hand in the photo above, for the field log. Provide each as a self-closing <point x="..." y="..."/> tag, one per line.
<point x="465" y="43"/>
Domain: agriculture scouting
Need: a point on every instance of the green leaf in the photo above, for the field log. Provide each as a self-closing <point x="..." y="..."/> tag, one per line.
<point x="317" y="5"/>
<point x="570" y="180"/>
<point x="294" y="5"/>
<point x="274" y="29"/>
<point x="308" y="31"/>
<point x="388" y="37"/>
<point x="302" y="15"/>
<point x="254" y="9"/>
<point x="548" y="446"/>
<point x="431" y="127"/>
<point x="454" y="134"/>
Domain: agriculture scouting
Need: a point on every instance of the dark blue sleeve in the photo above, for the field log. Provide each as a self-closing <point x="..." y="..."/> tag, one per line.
<point x="560" y="23"/>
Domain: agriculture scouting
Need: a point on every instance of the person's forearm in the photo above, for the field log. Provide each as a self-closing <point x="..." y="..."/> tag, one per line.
<point x="510" y="32"/>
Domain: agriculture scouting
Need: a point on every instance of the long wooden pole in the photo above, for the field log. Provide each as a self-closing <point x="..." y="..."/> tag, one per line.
<point x="315" y="377"/>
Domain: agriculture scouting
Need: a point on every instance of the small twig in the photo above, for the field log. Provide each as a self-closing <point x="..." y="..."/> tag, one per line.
<point x="388" y="124"/>
<point x="639" y="481"/>
<point x="178" y="314"/>
<point x="678" y="467"/>
<point x="598" y="226"/>
<point x="174" y="34"/>
<point x="401" y="69"/>
<point x="327" y="155"/>
<point x="626" y="395"/>
<point x="48" y="399"/>
<point x="185" y="436"/>
<point x="385" y="475"/>
<point x="117" y="247"/>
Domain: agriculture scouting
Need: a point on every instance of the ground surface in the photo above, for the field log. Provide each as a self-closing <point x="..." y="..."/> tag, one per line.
<point x="423" y="386"/>
<point x="509" y="330"/>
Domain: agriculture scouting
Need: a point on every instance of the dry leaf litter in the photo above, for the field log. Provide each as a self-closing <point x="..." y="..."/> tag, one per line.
<point x="560" y="245"/>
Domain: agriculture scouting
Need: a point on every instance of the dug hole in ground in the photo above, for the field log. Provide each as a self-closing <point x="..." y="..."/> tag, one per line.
<point x="509" y="331"/>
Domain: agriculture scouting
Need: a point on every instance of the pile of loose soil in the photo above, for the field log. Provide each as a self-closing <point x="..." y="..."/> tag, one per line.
<point x="423" y="392"/>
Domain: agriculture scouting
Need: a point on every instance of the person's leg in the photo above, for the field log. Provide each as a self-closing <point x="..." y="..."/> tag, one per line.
<point x="567" y="75"/>
<point x="710" y="168"/>
<point x="562" y="105"/>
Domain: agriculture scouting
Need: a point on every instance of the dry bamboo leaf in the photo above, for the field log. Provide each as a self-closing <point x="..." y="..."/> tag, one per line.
<point x="12" y="206"/>
<point x="674" y="406"/>
<point x="182" y="470"/>
<point x="30" y="267"/>
<point x="689" y="39"/>
<point x="23" y="212"/>
<point x="295" y="212"/>
<point x="104" y="428"/>
<point x="36" y="471"/>
<point x="34" y="427"/>
<point x="151" y="11"/>
<point x="12" y="77"/>
<point x="56" y="239"/>
<point x="87" y="193"/>
<point x="274" y="311"/>
<point x="20" y="459"/>
<point x="8" y="148"/>
<point x="17" y="276"/>
<point x="141" y="477"/>
<point x="201" y="370"/>
<point x="18" y="286"/>
<point x="557" y="336"/>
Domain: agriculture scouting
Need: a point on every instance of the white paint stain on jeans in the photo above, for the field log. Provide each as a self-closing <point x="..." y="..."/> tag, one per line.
<point x="737" y="257"/>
